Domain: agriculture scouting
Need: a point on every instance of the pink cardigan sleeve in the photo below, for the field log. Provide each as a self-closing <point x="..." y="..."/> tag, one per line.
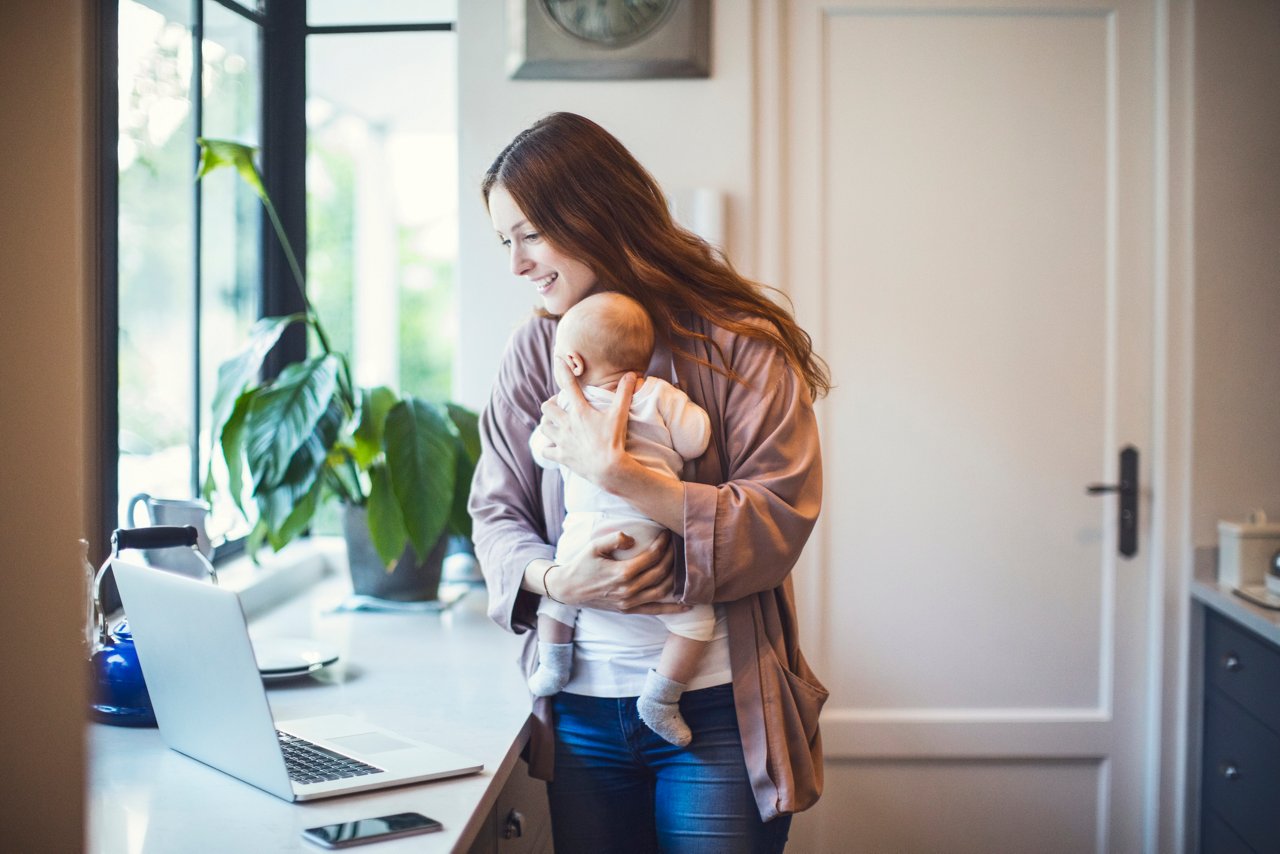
<point x="509" y="491"/>
<point x="744" y="528"/>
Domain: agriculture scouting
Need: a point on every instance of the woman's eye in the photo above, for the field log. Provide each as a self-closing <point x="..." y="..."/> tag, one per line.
<point x="505" y="242"/>
<point x="531" y="236"/>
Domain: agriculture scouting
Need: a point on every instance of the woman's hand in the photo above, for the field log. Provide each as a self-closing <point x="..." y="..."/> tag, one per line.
<point x="636" y="585"/>
<point x="591" y="443"/>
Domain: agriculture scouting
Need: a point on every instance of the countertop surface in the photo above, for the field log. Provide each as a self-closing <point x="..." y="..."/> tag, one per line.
<point x="1223" y="599"/>
<point x="447" y="678"/>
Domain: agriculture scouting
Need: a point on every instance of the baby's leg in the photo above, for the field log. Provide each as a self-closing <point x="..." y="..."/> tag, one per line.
<point x="551" y="630"/>
<point x="681" y="657"/>
<point x="659" y="702"/>
<point x="555" y="648"/>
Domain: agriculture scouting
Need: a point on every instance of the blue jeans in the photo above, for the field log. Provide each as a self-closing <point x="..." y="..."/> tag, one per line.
<point x="620" y="788"/>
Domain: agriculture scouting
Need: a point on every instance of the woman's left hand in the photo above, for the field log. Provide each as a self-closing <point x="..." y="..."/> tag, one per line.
<point x="591" y="443"/>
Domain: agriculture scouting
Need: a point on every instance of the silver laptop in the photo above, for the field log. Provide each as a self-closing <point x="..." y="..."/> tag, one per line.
<point x="193" y="644"/>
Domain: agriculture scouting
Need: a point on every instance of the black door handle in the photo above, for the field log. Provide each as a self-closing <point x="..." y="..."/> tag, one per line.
<point x="1128" y="491"/>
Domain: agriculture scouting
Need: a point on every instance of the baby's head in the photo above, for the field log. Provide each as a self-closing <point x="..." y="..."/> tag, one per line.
<point x="603" y="337"/>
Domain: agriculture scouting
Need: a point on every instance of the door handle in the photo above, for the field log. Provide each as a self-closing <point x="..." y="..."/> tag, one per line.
<point x="1127" y="489"/>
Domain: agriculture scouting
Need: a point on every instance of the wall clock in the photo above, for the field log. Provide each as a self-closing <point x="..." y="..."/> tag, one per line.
<point x="608" y="39"/>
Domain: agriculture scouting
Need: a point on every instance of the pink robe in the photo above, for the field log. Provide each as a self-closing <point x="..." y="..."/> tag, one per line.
<point x="743" y="532"/>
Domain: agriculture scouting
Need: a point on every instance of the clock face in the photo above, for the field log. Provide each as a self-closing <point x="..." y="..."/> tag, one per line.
<point x="609" y="23"/>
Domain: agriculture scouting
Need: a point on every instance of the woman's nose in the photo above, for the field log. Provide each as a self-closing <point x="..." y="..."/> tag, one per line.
<point x="520" y="262"/>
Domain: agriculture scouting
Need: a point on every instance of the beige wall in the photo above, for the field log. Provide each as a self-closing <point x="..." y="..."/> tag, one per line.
<point x="46" y="258"/>
<point x="1237" y="263"/>
<point x="689" y="133"/>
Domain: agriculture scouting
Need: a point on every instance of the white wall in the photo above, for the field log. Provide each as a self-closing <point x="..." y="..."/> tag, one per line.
<point x="688" y="133"/>
<point x="1237" y="263"/>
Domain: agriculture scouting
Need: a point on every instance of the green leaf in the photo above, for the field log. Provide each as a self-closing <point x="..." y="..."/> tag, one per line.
<point x="468" y="438"/>
<point x="284" y="417"/>
<point x="253" y="543"/>
<point x="233" y="446"/>
<point x="299" y="518"/>
<point x="386" y="522"/>
<point x="274" y="507"/>
<point x="375" y="403"/>
<point x="468" y="424"/>
<point x="243" y="368"/>
<point x="459" y="517"/>
<point x="216" y="153"/>
<point x="421" y="461"/>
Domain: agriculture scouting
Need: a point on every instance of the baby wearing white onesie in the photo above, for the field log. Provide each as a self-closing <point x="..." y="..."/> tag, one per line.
<point x="601" y="338"/>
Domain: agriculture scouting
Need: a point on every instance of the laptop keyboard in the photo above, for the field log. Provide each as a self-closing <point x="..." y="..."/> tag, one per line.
<point x="310" y="763"/>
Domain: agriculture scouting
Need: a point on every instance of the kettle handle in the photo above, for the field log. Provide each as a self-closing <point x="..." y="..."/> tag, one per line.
<point x="157" y="537"/>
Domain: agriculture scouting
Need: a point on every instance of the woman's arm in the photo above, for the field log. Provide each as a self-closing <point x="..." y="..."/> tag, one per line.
<point x="507" y="513"/>
<point x="744" y="535"/>
<point x="594" y="580"/>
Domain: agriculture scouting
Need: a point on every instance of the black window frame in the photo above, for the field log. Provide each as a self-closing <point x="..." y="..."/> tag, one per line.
<point x="283" y="31"/>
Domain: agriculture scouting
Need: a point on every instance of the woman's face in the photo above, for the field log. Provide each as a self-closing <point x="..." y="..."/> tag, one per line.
<point x="559" y="279"/>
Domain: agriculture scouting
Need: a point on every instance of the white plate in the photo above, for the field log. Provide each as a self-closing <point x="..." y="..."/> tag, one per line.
<point x="285" y="658"/>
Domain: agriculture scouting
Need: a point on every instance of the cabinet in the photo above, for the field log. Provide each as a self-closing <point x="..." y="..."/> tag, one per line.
<point x="520" y="821"/>
<point x="1240" y="771"/>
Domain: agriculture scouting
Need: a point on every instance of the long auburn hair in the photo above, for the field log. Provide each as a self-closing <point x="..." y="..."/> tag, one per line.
<point x="591" y="199"/>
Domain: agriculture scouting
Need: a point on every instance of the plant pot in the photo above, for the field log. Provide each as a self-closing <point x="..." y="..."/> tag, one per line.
<point x="410" y="581"/>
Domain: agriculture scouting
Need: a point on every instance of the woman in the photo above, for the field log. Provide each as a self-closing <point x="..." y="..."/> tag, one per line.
<point x="578" y="215"/>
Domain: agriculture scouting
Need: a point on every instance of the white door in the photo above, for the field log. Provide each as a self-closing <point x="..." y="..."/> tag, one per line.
<point x="967" y="206"/>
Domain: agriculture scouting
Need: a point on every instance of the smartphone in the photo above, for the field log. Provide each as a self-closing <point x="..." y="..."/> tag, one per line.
<point x="358" y="832"/>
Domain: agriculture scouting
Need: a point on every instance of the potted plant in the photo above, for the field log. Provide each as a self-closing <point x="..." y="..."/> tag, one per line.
<point x="400" y="465"/>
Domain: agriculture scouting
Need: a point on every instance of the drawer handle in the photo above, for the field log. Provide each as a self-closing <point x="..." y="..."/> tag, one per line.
<point x="514" y="827"/>
<point x="1231" y="661"/>
<point x="1230" y="771"/>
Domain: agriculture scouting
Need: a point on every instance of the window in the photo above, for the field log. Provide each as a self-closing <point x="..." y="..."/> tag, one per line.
<point x="190" y="264"/>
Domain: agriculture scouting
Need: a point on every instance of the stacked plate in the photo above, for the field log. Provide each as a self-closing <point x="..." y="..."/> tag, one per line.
<point x="289" y="658"/>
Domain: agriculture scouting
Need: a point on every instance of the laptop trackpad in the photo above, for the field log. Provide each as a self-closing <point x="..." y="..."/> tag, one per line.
<point x="369" y="742"/>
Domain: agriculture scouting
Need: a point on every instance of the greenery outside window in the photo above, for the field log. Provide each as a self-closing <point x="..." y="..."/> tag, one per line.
<point x="189" y="266"/>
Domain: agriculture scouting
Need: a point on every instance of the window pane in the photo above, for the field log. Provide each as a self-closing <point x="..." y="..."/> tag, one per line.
<point x="333" y="12"/>
<point x="382" y="207"/>
<point x="156" y="332"/>
<point x="230" y="223"/>
<point x="382" y="179"/>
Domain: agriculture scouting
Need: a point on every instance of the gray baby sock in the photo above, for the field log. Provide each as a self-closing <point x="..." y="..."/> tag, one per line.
<point x="555" y="663"/>
<point x="659" y="707"/>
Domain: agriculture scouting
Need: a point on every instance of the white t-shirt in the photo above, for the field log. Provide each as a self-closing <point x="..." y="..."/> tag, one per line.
<point x="614" y="652"/>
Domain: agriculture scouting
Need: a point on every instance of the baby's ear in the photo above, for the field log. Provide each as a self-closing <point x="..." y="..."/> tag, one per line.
<point x="576" y="363"/>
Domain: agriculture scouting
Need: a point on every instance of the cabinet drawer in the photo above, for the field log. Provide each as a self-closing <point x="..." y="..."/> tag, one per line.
<point x="1241" y="772"/>
<point x="1217" y="837"/>
<point x="1244" y="667"/>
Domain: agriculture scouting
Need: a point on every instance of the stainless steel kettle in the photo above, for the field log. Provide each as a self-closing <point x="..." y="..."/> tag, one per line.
<point x="119" y="692"/>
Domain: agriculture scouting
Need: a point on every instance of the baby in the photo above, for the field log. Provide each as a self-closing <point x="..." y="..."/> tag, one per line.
<point x="601" y="339"/>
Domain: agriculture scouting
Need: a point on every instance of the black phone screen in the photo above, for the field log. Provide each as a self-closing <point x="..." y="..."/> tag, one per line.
<point x="362" y="830"/>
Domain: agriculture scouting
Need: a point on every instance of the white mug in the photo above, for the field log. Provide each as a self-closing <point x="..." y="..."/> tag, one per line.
<point x="174" y="511"/>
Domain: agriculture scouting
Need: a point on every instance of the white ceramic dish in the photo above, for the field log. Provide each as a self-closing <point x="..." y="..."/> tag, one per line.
<point x="289" y="658"/>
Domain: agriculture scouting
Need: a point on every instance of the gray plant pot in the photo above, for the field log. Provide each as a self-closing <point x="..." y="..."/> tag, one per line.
<point x="411" y="580"/>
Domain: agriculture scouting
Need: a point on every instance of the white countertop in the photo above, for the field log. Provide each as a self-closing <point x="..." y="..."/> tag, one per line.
<point x="1222" y="598"/>
<point x="448" y="678"/>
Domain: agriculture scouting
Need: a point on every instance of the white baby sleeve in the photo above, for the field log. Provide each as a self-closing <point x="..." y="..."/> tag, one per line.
<point x="688" y="423"/>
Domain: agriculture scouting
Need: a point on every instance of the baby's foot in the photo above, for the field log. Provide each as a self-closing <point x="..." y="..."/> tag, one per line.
<point x="659" y="707"/>
<point x="555" y="663"/>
